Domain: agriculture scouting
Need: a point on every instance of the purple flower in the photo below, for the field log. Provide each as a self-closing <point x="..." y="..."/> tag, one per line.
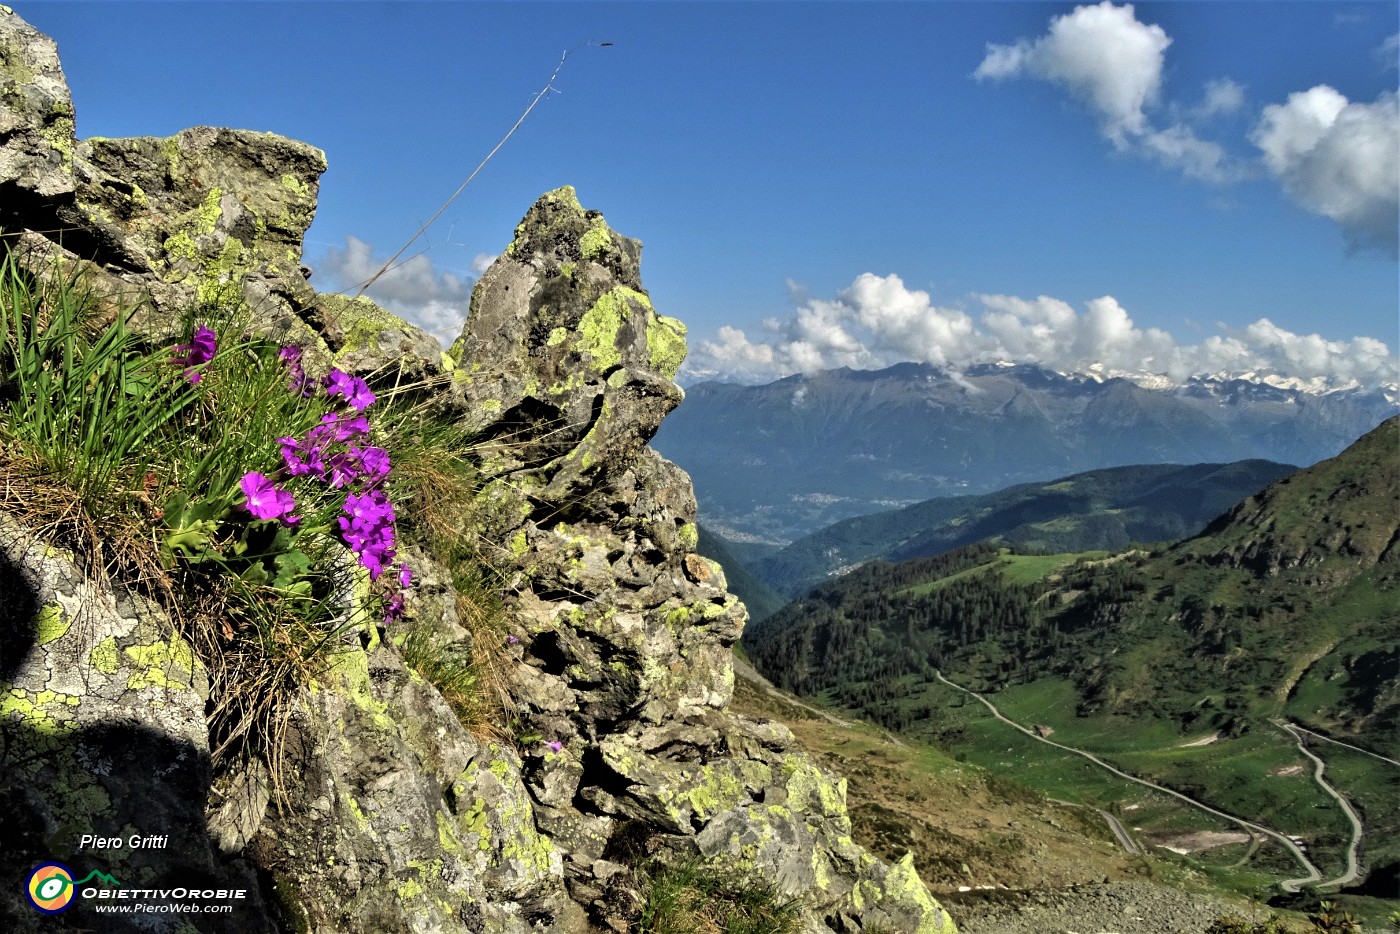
<point x="198" y="351"/>
<point x="341" y="469"/>
<point x="293" y="452"/>
<point x="374" y="464"/>
<point x="291" y="355"/>
<point x="368" y="510"/>
<point x="265" y="501"/>
<point x="395" y="610"/>
<point x="361" y="398"/>
<point x="368" y="529"/>
<point x="375" y="559"/>
<point x="511" y="640"/>
<point x="405" y="576"/>
<point x="353" y="389"/>
<point x="555" y="746"/>
<point x="342" y="429"/>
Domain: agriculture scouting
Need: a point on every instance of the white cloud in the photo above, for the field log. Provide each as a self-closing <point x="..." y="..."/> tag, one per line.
<point x="878" y="321"/>
<point x="1102" y="54"/>
<point x="1389" y="51"/>
<point x="415" y="289"/>
<point x="1334" y="157"/>
<point x="1339" y="159"/>
<point x="482" y="262"/>
<point x="1108" y="59"/>
<point x="1222" y="96"/>
<point x="1178" y="147"/>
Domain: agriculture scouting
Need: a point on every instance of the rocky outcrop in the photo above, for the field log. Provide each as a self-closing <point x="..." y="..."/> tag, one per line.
<point x="207" y="217"/>
<point x="625" y="631"/>
<point x="389" y="814"/>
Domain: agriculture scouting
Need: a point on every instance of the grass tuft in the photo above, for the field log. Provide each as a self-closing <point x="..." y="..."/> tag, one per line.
<point x="693" y="897"/>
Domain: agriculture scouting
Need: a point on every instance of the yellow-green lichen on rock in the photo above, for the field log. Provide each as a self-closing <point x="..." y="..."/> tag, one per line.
<point x="210" y="211"/>
<point x="600" y="326"/>
<point x="365" y="337"/>
<point x="360" y="320"/>
<point x="666" y="344"/>
<point x="51" y="623"/>
<point x="166" y="664"/>
<point x="597" y="240"/>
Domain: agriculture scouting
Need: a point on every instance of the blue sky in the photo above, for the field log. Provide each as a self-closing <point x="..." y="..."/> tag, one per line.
<point x="1175" y="188"/>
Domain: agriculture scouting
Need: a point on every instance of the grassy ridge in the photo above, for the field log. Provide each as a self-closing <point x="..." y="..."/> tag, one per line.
<point x="1101" y="509"/>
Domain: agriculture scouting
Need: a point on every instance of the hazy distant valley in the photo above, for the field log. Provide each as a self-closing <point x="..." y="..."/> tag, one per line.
<point x="773" y="463"/>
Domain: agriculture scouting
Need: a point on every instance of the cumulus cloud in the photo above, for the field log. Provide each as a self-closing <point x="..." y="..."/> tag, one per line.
<point x="415" y="289"/>
<point x="1340" y="159"/>
<point x="1112" y="62"/>
<point x="482" y="262"/>
<point x="878" y="321"/>
<point x="1334" y="157"/>
<point x="1101" y="54"/>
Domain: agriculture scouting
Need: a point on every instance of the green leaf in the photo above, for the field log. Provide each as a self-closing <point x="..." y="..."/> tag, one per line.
<point x="291" y="566"/>
<point x="192" y="542"/>
<point x="255" y="574"/>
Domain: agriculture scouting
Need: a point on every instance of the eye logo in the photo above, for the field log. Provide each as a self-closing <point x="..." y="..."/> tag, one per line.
<point x="50" y="888"/>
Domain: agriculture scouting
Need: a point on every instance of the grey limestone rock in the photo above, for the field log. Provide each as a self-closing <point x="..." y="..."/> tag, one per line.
<point x="36" y="115"/>
<point x="102" y="735"/>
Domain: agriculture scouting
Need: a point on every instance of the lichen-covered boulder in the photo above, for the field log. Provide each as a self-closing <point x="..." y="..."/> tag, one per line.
<point x="208" y="206"/>
<point x="365" y="337"/>
<point x="393" y="818"/>
<point x="565" y="369"/>
<point x="102" y="737"/>
<point x="36" y="117"/>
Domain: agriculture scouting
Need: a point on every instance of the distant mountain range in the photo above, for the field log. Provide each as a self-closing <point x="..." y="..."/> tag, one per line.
<point x="775" y="462"/>
<point x="1100" y="509"/>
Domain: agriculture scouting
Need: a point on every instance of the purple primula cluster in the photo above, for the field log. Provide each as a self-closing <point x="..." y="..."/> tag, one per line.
<point x="353" y="389"/>
<point x="333" y="453"/>
<point x="199" y="351"/>
<point x="368" y="529"/>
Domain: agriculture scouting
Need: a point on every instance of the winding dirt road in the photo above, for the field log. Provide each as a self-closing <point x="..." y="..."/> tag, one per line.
<point x="1288" y="885"/>
<point x="1318" y="768"/>
<point x="1337" y="742"/>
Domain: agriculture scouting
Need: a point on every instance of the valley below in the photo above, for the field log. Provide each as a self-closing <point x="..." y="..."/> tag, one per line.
<point x="1132" y="739"/>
